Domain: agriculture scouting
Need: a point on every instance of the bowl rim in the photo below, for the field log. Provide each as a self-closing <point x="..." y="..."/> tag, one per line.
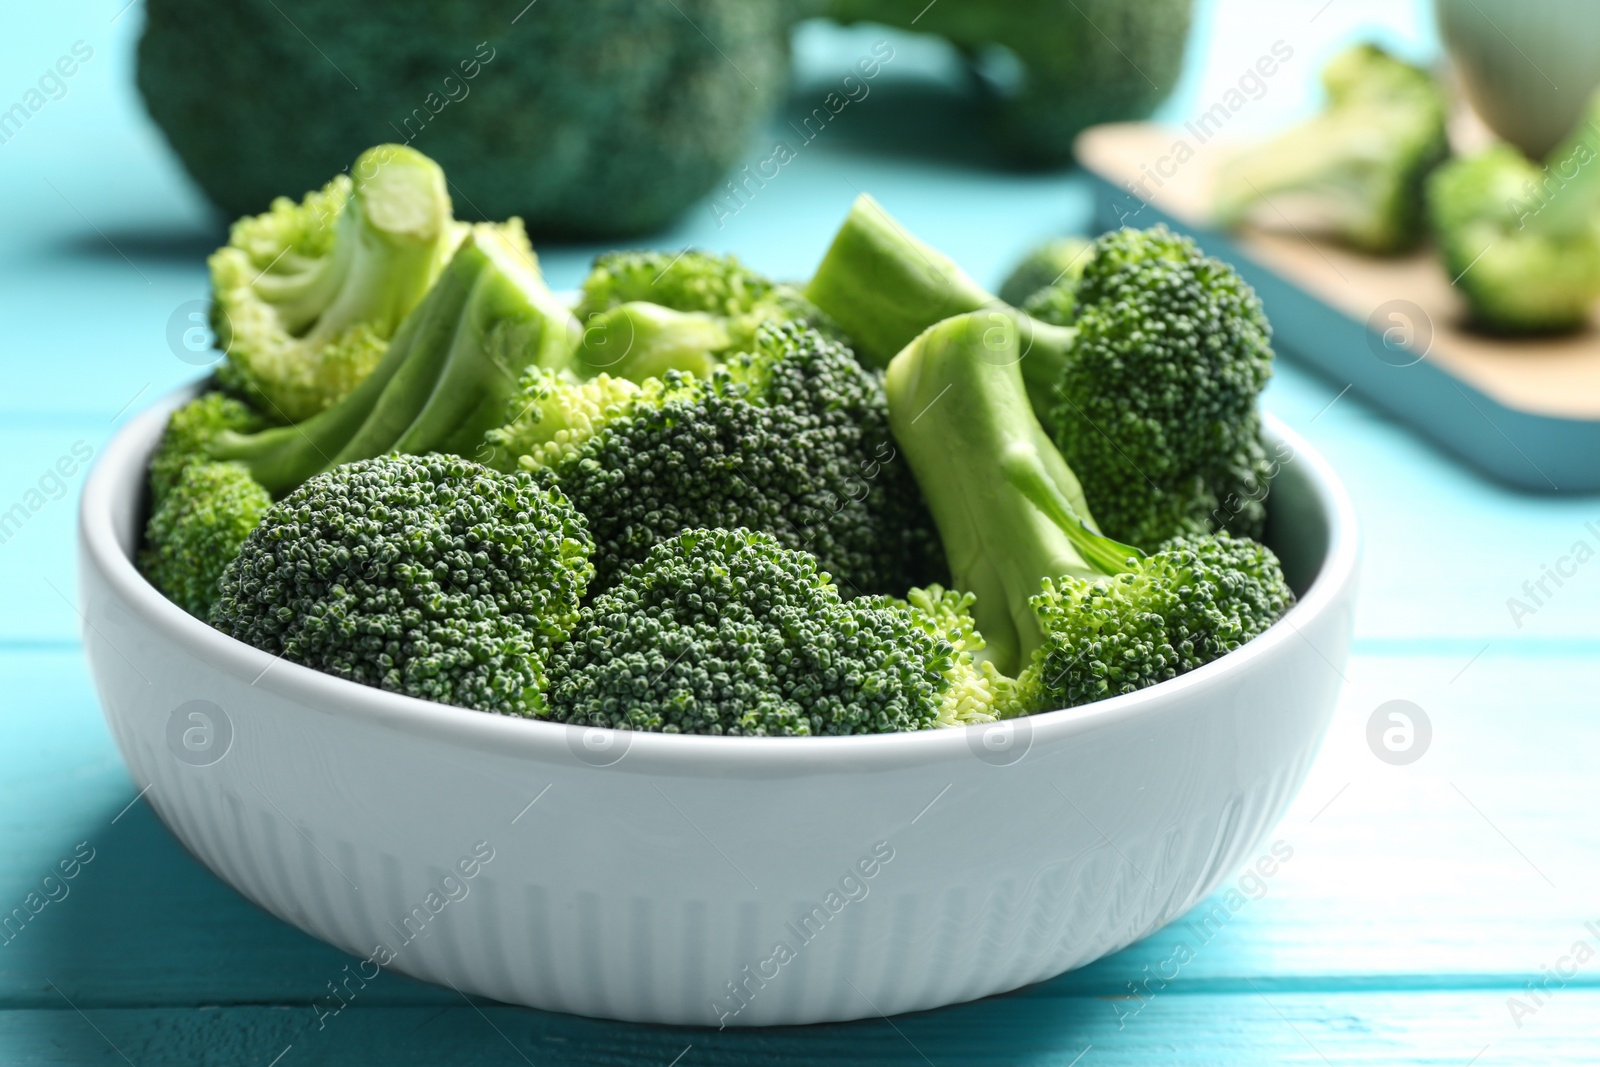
<point x="125" y="456"/>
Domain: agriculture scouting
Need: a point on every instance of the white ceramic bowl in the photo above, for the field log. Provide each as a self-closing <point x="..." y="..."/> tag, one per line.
<point x="710" y="880"/>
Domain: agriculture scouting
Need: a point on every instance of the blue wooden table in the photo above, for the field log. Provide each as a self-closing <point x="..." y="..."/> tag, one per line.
<point x="1443" y="912"/>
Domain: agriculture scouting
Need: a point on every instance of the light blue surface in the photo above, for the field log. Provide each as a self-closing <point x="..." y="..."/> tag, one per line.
<point x="1420" y="898"/>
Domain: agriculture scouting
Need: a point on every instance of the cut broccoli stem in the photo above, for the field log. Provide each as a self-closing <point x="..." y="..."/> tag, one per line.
<point x="638" y="341"/>
<point x="1008" y="508"/>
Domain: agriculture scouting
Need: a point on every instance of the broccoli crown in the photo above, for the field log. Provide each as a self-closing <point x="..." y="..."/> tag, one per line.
<point x="306" y="296"/>
<point x="1156" y="408"/>
<point x="431" y="576"/>
<point x="1050" y="274"/>
<point x="1182" y="607"/>
<point x="631" y="113"/>
<point x="791" y="440"/>
<point x="197" y="529"/>
<point x="729" y="632"/>
<point x="1521" y="242"/>
<point x="698" y="282"/>
<point x="188" y="435"/>
<point x="975" y="690"/>
<point x="1356" y="170"/>
<point x="1083" y="62"/>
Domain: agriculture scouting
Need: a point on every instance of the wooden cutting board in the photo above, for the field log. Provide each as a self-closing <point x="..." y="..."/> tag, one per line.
<point x="1524" y="411"/>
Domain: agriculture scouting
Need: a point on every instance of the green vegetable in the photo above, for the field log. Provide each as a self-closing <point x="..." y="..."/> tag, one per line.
<point x="1356" y="171"/>
<point x="605" y="117"/>
<point x="790" y="440"/>
<point x="1082" y="62"/>
<point x="196" y="530"/>
<point x="1051" y="270"/>
<point x="189" y="431"/>
<point x="1086" y="616"/>
<point x="446" y="378"/>
<point x="1151" y="391"/>
<point x="431" y="576"/>
<point x="1520" y="241"/>
<point x="306" y="296"/>
<point x="728" y="632"/>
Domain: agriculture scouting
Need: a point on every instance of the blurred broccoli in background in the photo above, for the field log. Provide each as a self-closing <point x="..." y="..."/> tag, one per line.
<point x="1082" y="61"/>
<point x="1521" y="241"/>
<point x="606" y="117"/>
<point x="1045" y="281"/>
<point x="306" y="296"/>
<point x="1356" y="170"/>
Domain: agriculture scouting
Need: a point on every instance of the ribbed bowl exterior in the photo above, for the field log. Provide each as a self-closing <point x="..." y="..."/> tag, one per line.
<point x="707" y="881"/>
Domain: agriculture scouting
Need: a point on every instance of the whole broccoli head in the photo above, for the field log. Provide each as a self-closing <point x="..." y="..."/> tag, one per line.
<point x="1050" y="270"/>
<point x="1150" y="389"/>
<point x="1356" y="170"/>
<point x="607" y="117"/>
<point x="196" y="530"/>
<point x="446" y="378"/>
<point x="431" y="576"/>
<point x="791" y="440"/>
<point x="728" y="632"/>
<point x="1083" y="62"/>
<point x="1048" y="588"/>
<point x="306" y="296"/>
<point x="1522" y="242"/>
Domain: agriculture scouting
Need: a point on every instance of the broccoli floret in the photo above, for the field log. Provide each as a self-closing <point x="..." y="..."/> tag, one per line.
<point x="628" y="115"/>
<point x="791" y="440"/>
<point x="1522" y="242"/>
<point x="432" y="576"/>
<point x="1087" y="616"/>
<point x="1150" y="392"/>
<point x="189" y="431"/>
<point x="1356" y="170"/>
<point x="638" y="341"/>
<point x="306" y="296"/>
<point x="729" y="632"/>
<point x="446" y="379"/>
<point x="1051" y="270"/>
<point x="1082" y="62"/>
<point x="976" y="691"/>
<point x="197" y="528"/>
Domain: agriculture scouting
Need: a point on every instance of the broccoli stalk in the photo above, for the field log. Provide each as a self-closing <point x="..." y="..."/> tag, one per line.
<point x="1521" y="242"/>
<point x="1150" y="392"/>
<point x="306" y="296"/>
<point x="1086" y="616"/>
<point x="444" y="381"/>
<point x="1355" y="171"/>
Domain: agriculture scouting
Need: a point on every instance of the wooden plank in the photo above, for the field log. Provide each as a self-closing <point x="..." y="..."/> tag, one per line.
<point x="1415" y="877"/>
<point x="1315" y="1029"/>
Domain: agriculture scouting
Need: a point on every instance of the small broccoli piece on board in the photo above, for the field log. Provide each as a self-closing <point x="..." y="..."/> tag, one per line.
<point x="728" y="632"/>
<point x="196" y="530"/>
<point x="432" y="576"/>
<point x="791" y="440"/>
<point x="1355" y="171"/>
<point x="1082" y="616"/>
<point x="307" y="295"/>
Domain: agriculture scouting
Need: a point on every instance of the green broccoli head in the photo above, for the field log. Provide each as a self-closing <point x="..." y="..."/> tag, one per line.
<point x="608" y="117"/>
<point x="189" y="433"/>
<point x="1048" y="274"/>
<point x="1189" y="603"/>
<point x="1355" y="171"/>
<point x="975" y="690"/>
<point x="728" y="632"/>
<point x="446" y="378"/>
<point x="431" y="576"/>
<point x="1011" y="515"/>
<point x="196" y="530"/>
<point x="1082" y="62"/>
<point x="791" y="440"/>
<point x="1156" y="406"/>
<point x="306" y="296"/>
<point x="1522" y="242"/>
